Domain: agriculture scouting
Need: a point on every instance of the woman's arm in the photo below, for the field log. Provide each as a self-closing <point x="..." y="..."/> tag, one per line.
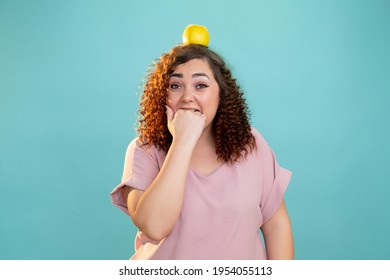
<point x="278" y="236"/>
<point x="156" y="210"/>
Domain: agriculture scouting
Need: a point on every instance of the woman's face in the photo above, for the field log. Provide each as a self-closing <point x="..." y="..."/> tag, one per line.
<point x="192" y="86"/>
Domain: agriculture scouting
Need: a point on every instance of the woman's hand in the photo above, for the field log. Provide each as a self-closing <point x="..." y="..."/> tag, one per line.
<point x="186" y="125"/>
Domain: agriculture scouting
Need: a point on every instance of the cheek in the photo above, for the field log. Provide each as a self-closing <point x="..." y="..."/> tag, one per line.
<point x="170" y="99"/>
<point x="214" y="100"/>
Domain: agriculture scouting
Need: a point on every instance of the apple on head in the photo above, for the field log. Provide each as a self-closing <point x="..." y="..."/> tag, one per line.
<point x="196" y="34"/>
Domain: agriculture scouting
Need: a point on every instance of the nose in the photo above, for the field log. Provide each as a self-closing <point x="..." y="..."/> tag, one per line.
<point x="188" y="95"/>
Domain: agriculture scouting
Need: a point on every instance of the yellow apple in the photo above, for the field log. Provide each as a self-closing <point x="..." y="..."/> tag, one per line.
<point x="196" y="34"/>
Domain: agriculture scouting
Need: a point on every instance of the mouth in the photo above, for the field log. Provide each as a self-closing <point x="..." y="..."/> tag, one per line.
<point x="191" y="109"/>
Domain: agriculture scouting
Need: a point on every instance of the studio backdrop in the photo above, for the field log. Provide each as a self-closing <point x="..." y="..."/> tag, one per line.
<point x="315" y="75"/>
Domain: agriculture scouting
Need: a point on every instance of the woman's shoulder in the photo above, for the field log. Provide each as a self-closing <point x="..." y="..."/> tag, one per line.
<point x="137" y="146"/>
<point x="137" y="143"/>
<point x="258" y="137"/>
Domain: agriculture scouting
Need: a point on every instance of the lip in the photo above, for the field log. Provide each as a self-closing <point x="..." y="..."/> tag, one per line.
<point x="192" y="109"/>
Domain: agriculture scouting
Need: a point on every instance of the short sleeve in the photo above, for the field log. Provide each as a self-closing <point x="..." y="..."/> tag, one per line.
<point x="275" y="179"/>
<point x="140" y="168"/>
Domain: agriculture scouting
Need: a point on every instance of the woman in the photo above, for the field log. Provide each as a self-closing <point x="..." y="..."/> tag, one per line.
<point x="198" y="181"/>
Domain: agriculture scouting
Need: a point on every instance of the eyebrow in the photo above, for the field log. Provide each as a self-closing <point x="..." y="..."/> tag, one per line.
<point x="179" y="75"/>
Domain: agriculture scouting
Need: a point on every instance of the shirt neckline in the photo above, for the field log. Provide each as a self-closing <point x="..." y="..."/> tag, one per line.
<point x="216" y="170"/>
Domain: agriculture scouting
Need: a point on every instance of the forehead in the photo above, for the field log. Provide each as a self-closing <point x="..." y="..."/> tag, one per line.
<point x="192" y="66"/>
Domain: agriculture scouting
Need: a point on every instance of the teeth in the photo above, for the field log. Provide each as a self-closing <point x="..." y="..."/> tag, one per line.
<point x="192" y="109"/>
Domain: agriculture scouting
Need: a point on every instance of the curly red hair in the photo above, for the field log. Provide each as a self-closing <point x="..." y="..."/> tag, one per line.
<point x="231" y="127"/>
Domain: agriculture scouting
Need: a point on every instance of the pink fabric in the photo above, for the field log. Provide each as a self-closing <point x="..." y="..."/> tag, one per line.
<point x="222" y="211"/>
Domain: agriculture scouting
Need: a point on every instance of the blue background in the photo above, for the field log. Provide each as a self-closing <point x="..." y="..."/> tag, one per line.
<point x="315" y="74"/>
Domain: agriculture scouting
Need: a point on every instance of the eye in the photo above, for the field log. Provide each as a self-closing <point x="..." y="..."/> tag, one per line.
<point x="174" y="86"/>
<point x="201" y="86"/>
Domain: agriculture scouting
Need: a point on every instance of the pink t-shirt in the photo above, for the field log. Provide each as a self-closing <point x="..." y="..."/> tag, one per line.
<point x="222" y="211"/>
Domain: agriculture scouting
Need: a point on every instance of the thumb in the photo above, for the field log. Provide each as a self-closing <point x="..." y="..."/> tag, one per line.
<point x="169" y="113"/>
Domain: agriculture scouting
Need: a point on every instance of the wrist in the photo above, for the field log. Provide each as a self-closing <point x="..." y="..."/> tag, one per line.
<point x="184" y="146"/>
